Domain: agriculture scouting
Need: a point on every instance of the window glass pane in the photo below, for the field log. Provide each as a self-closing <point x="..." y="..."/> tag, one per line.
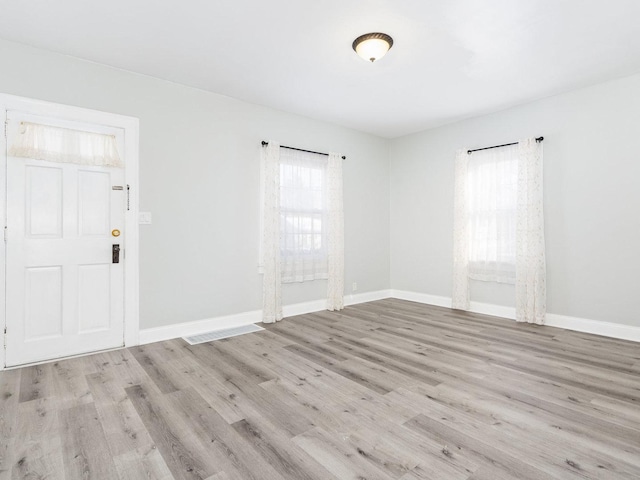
<point x="492" y="194"/>
<point x="303" y="205"/>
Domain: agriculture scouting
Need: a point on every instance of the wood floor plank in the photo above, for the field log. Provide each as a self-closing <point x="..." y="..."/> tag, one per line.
<point x="250" y="368"/>
<point x="181" y="452"/>
<point x="341" y="459"/>
<point x="210" y="387"/>
<point x="9" y="396"/>
<point x="123" y="367"/>
<point x="317" y="401"/>
<point x="227" y="447"/>
<point x="300" y="369"/>
<point x="549" y="449"/>
<point x="123" y="428"/>
<point x="307" y="339"/>
<point x="362" y="350"/>
<point x="83" y="440"/>
<point x="223" y="476"/>
<point x="520" y="391"/>
<point x="36" y="382"/>
<point x="280" y="453"/>
<point x="142" y="463"/>
<point x="153" y="363"/>
<point x="593" y="443"/>
<point x="433" y="462"/>
<point x="38" y="445"/>
<point x="456" y="443"/>
<point x="41" y="460"/>
<point x="381" y="390"/>
<point x="69" y="383"/>
<point x="249" y="397"/>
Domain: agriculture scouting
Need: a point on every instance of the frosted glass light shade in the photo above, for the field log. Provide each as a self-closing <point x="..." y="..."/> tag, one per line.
<point x="372" y="46"/>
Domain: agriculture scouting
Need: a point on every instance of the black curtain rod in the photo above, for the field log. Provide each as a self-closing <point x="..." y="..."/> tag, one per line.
<point x="469" y="152"/>
<point x="264" y="144"/>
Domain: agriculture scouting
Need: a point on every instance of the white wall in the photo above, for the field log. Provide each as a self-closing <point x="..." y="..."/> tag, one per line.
<point x="199" y="170"/>
<point x="200" y="178"/>
<point x="592" y="200"/>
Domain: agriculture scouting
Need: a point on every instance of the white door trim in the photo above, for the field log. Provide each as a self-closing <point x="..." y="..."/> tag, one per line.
<point x="130" y="125"/>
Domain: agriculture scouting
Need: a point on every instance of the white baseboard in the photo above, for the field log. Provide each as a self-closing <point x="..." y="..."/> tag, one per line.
<point x="303" y="308"/>
<point x="596" y="327"/>
<point x="366" y="297"/>
<point x="320" y="305"/>
<point x="492" y="309"/>
<point x="177" y="330"/>
<point x="475" y="307"/>
<point x="421" y="298"/>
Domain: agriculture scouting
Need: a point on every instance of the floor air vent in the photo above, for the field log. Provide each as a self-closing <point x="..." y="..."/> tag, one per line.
<point x="220" y="334"/>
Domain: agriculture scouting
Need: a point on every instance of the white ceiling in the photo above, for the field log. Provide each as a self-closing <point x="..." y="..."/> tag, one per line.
<point x="451" y="58"/>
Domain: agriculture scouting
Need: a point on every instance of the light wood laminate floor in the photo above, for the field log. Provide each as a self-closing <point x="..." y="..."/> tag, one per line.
<point x="383" y="390"/>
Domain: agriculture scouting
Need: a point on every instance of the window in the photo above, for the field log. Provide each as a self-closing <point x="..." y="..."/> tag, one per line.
<point x="492" y="196"/>
<point x="303" y="215"/>
<point x="498" y="225"/>
<point x="302" y="224"/>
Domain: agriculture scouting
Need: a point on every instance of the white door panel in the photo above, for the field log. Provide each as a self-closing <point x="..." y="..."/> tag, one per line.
<point x="64" y="294"/>
<point x="94" y="297"/>
<point x="94" y="191"/>
<point x="43" y="202"/>
<point x="43" y="303"/>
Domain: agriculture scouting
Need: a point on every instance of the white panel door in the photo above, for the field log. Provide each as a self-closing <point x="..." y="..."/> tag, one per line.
<point x="65" y="296"/>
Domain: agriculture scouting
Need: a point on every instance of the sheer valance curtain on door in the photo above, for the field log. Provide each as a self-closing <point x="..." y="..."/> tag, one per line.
<point x="499" y="225"/>
<point x="65" y="145"/>
<point x="302" y="224"/>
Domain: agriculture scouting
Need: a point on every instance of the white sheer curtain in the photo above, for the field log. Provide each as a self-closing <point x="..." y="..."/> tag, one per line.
<point x="65" y="145"/>
<point x="499" y="225"/>
<point x="492" y="193"/>
<point x="303" y="216"/>
<point x="531" y="293"/>
<point x="335" y="286"/>
<point x="302" y="224"/>
<point x="460" y="293"/>
<point x="270" y="248"/>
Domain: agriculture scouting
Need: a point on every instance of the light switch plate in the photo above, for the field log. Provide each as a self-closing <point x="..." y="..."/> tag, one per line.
<point x="144" y="218"/>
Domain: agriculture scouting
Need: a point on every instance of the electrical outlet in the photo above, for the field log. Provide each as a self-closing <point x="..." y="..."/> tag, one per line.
<point x="354" y="287"/>
<point x="144" y="218"/>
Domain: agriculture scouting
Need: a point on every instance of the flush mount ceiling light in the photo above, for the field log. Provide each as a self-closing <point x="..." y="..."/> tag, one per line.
<point x="372" y="46"/>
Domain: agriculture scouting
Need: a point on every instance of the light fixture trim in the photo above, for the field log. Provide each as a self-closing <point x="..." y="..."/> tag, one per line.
<point x="372" y="36"/>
